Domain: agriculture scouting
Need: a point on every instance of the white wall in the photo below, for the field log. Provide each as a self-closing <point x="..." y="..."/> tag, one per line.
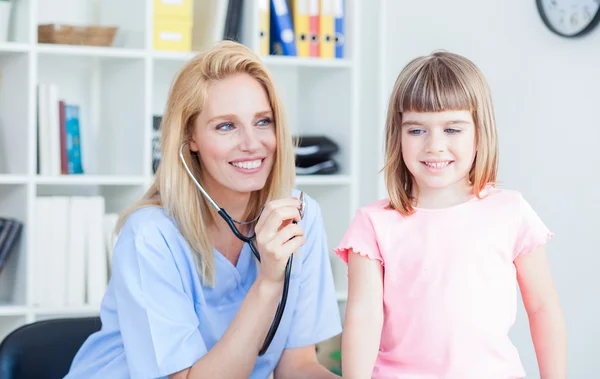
<point x="547" y="97"/>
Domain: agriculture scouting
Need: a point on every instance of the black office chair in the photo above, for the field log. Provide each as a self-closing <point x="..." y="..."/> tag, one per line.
<point x="44" y="349"/>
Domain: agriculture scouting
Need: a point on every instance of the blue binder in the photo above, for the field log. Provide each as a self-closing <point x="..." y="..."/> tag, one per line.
<point x="282" y="29"/>
<point x="339" y="28"/>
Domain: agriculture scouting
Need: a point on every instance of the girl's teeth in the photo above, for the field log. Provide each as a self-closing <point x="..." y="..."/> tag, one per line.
<point x="437" y="164"/>
<point x="248" y="165"/>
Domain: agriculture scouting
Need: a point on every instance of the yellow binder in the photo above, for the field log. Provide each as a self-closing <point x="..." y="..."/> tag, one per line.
<point x="327" y="29"/>
<point x="264" y="26"/>
<point x="300" y="14"/>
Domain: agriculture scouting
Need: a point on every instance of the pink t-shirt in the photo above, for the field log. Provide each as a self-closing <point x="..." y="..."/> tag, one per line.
<point x="450" y="289"/>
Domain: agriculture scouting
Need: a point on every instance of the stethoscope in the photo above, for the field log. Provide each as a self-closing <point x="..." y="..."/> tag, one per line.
<point x="250" y="241"/>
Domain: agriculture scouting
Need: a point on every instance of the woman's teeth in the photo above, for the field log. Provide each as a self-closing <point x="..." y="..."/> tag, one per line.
<point x="437" y="164"/>
<point x="248" y="165"/>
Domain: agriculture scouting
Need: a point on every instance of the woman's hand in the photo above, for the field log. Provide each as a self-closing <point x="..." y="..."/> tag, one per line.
<point x="277" y="237"/>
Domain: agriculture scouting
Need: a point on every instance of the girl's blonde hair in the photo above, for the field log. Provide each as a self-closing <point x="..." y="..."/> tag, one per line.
<point x="173" y="189"/>
<point x="439" y="82"/>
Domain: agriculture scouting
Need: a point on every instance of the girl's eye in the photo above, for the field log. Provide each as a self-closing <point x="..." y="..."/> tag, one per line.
<point x="225" y="127"/>
<point x="264" y="122"/>
<point x="416" y="132"/>
<point x="452" y="131"/>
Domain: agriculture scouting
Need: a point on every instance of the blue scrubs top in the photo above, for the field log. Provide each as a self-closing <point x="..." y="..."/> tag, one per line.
<point x="158" y="318"/>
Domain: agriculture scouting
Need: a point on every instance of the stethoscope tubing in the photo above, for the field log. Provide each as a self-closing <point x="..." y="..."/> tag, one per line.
<point x="250" y="241"/>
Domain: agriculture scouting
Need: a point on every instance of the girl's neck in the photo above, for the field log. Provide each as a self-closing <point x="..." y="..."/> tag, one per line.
<point x="435" y="198"/>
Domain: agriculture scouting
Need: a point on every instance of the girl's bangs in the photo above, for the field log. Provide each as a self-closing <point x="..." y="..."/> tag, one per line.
<point x="436" y="88"/>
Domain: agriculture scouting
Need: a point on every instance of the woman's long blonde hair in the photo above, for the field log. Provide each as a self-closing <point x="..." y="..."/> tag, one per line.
<point x="173" y="189"/>
<point x="439" y="82"/>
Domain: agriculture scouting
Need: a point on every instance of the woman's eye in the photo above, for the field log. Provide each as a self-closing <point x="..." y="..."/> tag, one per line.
<point x="416" y="132"/>
<point x="225" y="127"/>
<point x="264" y="122"/>
<point x="452" y="131"/>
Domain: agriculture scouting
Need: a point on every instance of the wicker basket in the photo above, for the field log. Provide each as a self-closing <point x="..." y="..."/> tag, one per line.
<point x="76" y="35"/>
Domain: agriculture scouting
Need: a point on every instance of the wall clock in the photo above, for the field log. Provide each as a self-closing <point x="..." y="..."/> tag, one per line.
<point x="569" y="18"/>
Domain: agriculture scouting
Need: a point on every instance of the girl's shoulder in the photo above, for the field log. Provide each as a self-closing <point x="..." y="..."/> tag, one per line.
<point x="378" y="213"/>
<point x="500" y="197"/>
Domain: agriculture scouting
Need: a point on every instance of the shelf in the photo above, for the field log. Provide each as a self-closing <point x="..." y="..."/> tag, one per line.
<point x="323" y="180"/>
<point x="173" y="55"/>
<point x="12" y="179"/>
<point x="68" y="311"/>
<point x="13" y="47"/>
<point x="89" y="51"/>
<point x="13" y="310"/>
<point x="90" y="180"/>
<point x="280" y="61"/>
<point x="269" y="60"/>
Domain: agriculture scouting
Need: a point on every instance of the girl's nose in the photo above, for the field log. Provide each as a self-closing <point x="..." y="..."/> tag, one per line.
<point x="435" y="143"/>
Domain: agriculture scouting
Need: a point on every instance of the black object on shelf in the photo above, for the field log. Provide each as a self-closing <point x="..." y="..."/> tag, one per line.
<point x="314" y="155"/>
<point x="10" y="230"/>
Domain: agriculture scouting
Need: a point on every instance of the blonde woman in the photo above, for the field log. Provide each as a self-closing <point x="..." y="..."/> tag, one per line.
<point x="453" y="246"/>
<point x="187" y="299"/>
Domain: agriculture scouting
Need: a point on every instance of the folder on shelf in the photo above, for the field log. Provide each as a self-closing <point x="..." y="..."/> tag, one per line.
<point x="210" y="23"/>
<point x="233" y="20"/>
<point x="300" y="17"/>
<point x="10" y="231"/>
<point x="313" y="28"/>
<point x="264" y="26"/>
<point x="70" y="251"/>
<point x="73" y="139"/>
<point x="327" y="29"/>
<point x="340" y="35"/>
<point x="64" y="159"/>
<point x="57" y="249"/>
<point x="48" y="130"/>
<point x="97" y="272"/>
<point x="110" y="237"/>
<point x="175" y="9"/>
<point x="76" y="251"/>
<point x="282" y="30"/>
<point x="50" y="251"/>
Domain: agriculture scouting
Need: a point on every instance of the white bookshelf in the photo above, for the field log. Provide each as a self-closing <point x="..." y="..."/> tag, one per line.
<point x="119" y="89"/>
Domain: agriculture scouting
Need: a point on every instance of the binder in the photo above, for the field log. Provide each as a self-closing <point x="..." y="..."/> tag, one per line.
<point x="300" y="16"/>
<point x="264" y="26"/>
<point x="339" y="28"/>
<point x="313" y="28"/>
<point x="232" y="20"/>
<point x="10" y="231"/>
<point x="282" y="28"/>
<point x="327" y="29"/>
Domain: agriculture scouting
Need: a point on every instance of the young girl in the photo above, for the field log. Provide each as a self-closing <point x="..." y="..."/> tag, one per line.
<point x="433" y="269"/>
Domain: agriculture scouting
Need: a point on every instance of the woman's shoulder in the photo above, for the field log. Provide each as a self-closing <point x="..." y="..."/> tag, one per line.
<point x="149" y="221"/>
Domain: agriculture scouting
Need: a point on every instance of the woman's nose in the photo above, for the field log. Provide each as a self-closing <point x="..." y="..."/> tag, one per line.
<point x="250" y="140"/>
